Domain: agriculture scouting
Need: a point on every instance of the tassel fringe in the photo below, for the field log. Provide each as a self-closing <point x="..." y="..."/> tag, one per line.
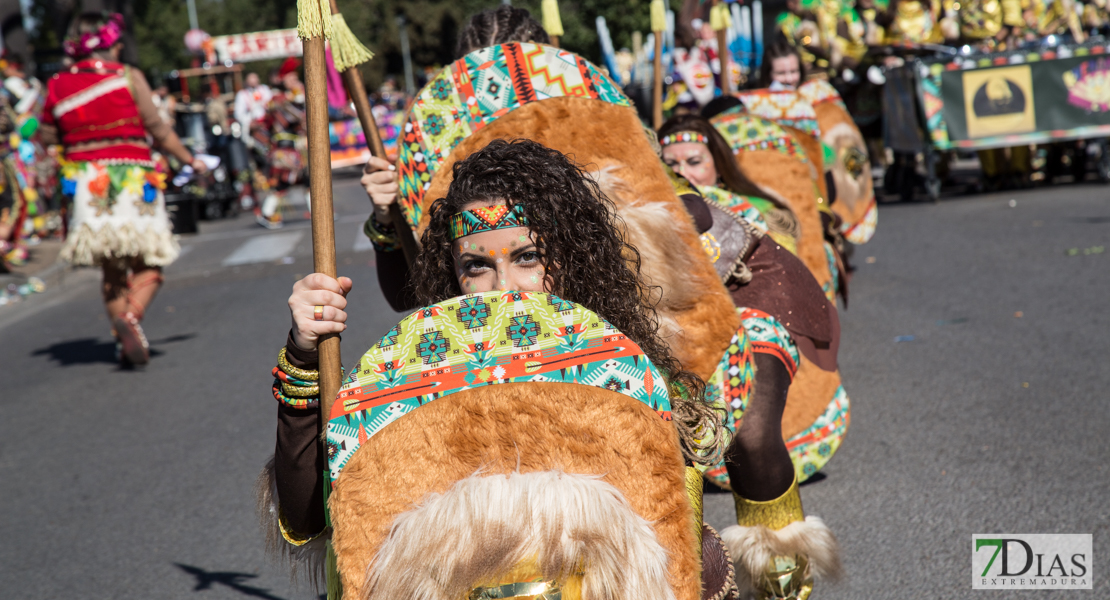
<point x="313" y="19"/>
<point x="346" y="50"/>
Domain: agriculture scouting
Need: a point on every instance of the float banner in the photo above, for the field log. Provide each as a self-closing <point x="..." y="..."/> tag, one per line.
<point x="1025" y="561"/>
<point x="1008" y="101"/>
<point x="348" y="144"/>
<point x="261" y="45"/>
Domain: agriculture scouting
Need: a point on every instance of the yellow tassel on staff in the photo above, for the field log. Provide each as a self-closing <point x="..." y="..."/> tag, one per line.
<point x="552" y="23"/>
<point x="658" y="26"/>
<point x="719" y="18"/>
<point x="313" y="19"/>
<point x="658" y="15"/>
<point x="346" y="50"/>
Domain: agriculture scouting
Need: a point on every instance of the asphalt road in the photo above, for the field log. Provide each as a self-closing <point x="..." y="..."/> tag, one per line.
<point x="140" y="484"/>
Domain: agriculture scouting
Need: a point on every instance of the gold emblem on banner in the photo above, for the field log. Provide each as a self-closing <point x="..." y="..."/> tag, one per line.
<point x="999" y="101"/>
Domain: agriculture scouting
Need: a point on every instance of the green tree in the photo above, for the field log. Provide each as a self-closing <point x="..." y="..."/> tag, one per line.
<point x="433" y="27"/>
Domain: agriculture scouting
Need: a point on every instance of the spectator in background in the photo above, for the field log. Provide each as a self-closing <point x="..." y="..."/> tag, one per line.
<point x="250" y="105"/>
<point x="165" y="103"/>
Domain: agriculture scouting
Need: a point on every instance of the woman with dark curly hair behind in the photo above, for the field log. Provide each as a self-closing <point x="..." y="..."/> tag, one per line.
<point x="559" y="235"/>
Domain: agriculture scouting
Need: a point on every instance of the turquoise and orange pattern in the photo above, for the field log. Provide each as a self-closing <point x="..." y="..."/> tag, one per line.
<point x="486" y="218"/>
<point x="786" y="107"/>
<point x="769" y="336"/>
<point x="862" y="232"/>
<point x="478" y="89"/>
<point x="812" y="449"/>
<point x="485" y="339"/>
<point x="730" y="389"/>
<point x="747" y="132"/>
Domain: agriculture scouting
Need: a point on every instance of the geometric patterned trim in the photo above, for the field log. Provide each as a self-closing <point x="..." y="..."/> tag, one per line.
<point x="770" y="337"/>
<point x="787" y="108"/>
<point x="475" y="91"/>
<point x="747" y="132"/>
<point x="812" y="449"/>
<point x="485" y="339"/>
<point x="486" y="218"/>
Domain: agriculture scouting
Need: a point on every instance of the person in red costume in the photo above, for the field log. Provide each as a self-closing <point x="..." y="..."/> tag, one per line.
<point x="101" y="111"/>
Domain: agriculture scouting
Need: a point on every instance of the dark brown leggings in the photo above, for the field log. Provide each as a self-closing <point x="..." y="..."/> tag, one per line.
<point x="129" y="286"/>
<point x="758" y="462"/>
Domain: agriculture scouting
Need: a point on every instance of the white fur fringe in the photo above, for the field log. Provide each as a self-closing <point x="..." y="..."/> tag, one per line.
<point x="307" y="560"/>
<point x="484" y="526"/>
<point x="88" y="247"/>
<point x="753" y="547"/>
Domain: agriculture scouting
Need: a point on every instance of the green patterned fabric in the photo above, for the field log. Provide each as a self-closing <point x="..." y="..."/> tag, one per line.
<point x="475" y="91"/>
<point x="485" y="339"/>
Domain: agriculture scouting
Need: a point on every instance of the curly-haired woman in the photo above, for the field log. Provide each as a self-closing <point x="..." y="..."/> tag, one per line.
<point x="558" y="234"/>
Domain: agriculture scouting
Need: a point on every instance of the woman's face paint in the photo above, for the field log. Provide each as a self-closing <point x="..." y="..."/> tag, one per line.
<point x="693" y="161"/>
<point x="515" y="265"/>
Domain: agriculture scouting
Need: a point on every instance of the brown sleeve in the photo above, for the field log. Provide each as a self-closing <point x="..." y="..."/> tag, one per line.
<point x="298" y="460"/>
<point x="162" y="132"/>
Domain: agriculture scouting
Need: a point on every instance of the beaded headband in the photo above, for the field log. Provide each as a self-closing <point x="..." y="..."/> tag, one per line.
<point x="486" y="218"/>
<point x="683" y="137"/>
<point x="101" y="39"/>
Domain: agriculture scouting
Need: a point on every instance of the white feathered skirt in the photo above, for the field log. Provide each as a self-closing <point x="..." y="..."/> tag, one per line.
<point x="118" y="214"/>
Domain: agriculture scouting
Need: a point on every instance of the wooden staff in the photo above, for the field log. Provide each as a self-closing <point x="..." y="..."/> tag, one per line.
<point x="352" y="81"/>
<point x="323" y="219"/>
<point x="658" y="25"/>
<point x="719" y="23"/>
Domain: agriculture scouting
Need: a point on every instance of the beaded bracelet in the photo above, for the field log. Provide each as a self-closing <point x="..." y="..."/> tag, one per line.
<point x="302" y="374"/>
<point x="287" y="378"/>
<point x="293" y="402"/>
<point x="382" y="236"/>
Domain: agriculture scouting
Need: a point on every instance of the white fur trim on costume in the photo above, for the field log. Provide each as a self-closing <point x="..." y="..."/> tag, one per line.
<point x="86" y="246"/>
<point x="484" y="526"/>
<point x="656" y="234"/>
<point x="753" y="547"/>
<point x="307" y="559"/>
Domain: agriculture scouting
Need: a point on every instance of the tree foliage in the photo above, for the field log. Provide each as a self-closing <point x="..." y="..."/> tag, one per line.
<point x="432" y="25"/>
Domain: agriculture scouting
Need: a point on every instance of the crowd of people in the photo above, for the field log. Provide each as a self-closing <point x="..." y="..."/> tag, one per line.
<point x="834" y="34"/>
<point x="704" y="261"/>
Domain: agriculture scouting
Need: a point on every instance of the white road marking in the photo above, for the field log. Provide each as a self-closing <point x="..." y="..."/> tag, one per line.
<point x="264" y="248"/>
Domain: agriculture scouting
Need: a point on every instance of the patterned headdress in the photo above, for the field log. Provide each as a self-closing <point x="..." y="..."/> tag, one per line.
<point x="487" y="218"/>
<point x="683" y="137"/>
<point x="478" y="89"/>
<point x="101" y="39"/>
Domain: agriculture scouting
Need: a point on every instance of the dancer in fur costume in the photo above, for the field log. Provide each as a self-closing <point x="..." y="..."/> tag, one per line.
<point x="545" y="426"/>
<point x="101" y="111"/>
<point x="787" y="165"/>
<point x="585" y="114"/>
